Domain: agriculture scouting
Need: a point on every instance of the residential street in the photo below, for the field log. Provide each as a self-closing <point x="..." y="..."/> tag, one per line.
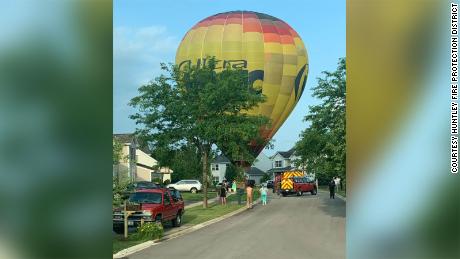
<point x="287" y="227"/>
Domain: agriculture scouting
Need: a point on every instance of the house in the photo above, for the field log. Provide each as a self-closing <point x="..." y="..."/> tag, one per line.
<point x="258" y="169"/>
<point x="136" y="164"/>
<point x="282" y="161"/>
<point x="262" y="162"/>
<point x="219" y="167"/>
<point x="255" y="174"/>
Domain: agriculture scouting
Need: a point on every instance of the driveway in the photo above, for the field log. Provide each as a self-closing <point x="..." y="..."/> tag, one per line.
<point x="287" y="227"/>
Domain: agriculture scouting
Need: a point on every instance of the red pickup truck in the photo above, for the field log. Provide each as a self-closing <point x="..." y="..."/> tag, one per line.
<point x="304" y="184"/>
<point x="151" y="205"/>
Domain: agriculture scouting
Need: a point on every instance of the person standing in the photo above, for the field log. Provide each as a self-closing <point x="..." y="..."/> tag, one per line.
<point x="263" y="194"/>
<point x="332" y="189"/>
<point x="223" y="194"/>
<point x="234" y="186"/>
<point x="248" y="194"/>
<point x="337" y="182"/>
<point x="278" y="188"/>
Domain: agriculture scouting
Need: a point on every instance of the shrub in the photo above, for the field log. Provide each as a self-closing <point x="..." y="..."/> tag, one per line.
<point x="119" y="188"/>
<point x="148" y="231"/>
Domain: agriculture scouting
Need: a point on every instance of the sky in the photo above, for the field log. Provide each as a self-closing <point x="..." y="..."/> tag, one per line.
<point x="148" y="32"/>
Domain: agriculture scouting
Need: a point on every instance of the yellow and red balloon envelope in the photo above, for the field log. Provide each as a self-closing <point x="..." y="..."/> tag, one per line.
<point x="267" y="47"/>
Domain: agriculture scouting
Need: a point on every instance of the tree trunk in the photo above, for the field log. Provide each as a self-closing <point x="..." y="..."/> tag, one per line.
<point x="204" y="158"/>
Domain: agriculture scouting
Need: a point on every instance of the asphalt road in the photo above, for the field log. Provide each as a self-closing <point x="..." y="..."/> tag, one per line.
<point x="287" y="227"/>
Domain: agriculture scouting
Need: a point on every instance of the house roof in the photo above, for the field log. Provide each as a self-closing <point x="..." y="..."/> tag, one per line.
<point x="125" y="138"/>
<point x="285" y="154"/>
<point x="221" y="159"/>
<point x="255" y="171"/>
<point x="130" y="138"/>
<point x="145" y="149"/>
<point x="162" y="170"/>
<point x="280" y="169"/>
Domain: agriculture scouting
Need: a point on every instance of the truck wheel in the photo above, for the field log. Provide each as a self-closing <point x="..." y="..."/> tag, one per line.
<point x="177" y="220"/>
<point x="193" y="190"/>
<point x="284" y="194"/>
<point x="314" y="192"/>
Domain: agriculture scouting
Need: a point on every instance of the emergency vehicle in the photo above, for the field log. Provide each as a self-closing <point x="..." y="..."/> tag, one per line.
<point x="290" y="182"/>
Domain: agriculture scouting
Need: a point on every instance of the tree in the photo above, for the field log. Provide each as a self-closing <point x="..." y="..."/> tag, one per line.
<point x="117" y="151"/>
<point x="231" y="172"/>
<point x="186" y="163"/>
<point x="201" y="107"/>
<point x="265" y="178"/>
<point x="322" y="145"/>
<point x="119" y="183"/>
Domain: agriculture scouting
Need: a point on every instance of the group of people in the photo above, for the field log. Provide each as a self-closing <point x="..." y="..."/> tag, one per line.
<point x="225" y="187"/>
<point x="334" y="186"/>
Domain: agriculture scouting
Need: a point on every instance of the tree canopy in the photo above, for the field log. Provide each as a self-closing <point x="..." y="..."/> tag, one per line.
<point x="200" y="107"/>
<point x="322" y="147"/>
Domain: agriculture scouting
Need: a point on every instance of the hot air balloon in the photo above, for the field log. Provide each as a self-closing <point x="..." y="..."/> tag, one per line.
<point x="267" y="47"/>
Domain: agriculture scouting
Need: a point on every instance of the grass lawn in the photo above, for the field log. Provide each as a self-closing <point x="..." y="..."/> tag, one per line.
<point x="197" y="215"/>
<point x="340" y="192"/>
<point x="196" y="197"/>
<point x="234" y="197"/>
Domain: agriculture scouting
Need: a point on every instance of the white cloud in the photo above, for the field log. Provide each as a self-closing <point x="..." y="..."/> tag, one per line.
<point x="142" y="45"/>
<point x="138" y="52"/>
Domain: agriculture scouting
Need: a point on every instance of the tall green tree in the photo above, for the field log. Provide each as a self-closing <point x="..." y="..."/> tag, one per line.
<point x="201" y="107"/>
<point x="231" y="172"/>
<point x="186" y="163"/>
<point x="117" y="154"/>
<point x="322" y="147"/>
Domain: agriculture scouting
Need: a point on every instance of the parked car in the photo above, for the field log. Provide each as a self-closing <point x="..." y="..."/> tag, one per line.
<point x="192" y="186"/>
<point x="150" y="205"/>
<point x="269" y="183"/>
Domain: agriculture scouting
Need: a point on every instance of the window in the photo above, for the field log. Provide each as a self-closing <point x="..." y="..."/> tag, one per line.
<point x="215" y="167"/>
<point x="146" y="197"/>
<point x="167" y="199"/>
<point x="278" y="163"/>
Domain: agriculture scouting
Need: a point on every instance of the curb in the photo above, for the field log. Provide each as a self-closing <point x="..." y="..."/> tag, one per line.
<point x="134" y="249"/>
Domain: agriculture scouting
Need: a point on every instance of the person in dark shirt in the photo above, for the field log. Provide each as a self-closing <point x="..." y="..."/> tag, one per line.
<point x="223" y="194"/>
<point x="332" y="189"/>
